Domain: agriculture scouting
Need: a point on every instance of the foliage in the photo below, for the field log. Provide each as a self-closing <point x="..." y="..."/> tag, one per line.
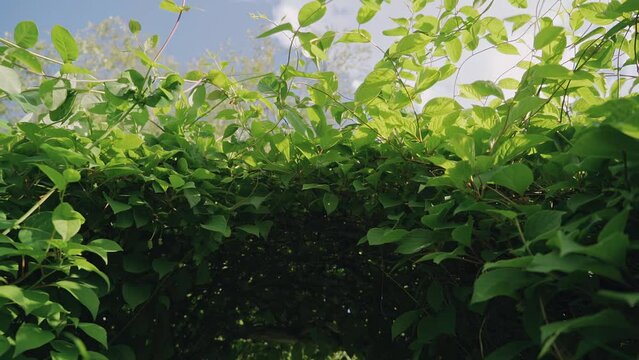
<point x="499" y="226"/>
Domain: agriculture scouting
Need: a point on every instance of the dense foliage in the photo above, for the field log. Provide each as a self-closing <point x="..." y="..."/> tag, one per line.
<point x="502" y="225"/>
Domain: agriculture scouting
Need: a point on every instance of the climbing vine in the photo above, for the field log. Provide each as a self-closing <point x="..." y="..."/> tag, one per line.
<point x="499" y="223"/>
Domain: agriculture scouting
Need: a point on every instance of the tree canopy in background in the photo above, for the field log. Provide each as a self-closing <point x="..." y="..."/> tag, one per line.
<point x="160" y="214"/>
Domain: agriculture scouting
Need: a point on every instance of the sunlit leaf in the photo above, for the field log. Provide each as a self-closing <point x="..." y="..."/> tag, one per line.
<point x="26" y="34"/>
<point x="311" y="13"/>
<point x="10" y="83"/>
<point x="66" y="220"/>
<point x="547" y="35"/>
<point x="64" y="43"/>
<point x="30" y="336"/>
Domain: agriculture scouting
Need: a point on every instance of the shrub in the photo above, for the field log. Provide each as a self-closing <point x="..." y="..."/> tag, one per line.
<point x="502" y="226"/>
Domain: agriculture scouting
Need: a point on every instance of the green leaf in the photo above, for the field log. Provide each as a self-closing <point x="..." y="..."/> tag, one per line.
<point x="83" y="293"/>
<point x="5" y="345"/>
<point x="126" y="141"/>
<point x="66" y="221"/>
<point x="25" y="59"/>
<point x="419" y="5"/>
<point x="481" y="89"/>
<point x="542" y="223"/>
<point x="367" y="11"/>
<point x="71" y="175"/>
<point x="508" y="83"/>
<point x="192" y="196"/>
<point x="516" y="177"/>
<point x="28" y="300"/>
<point x="64" y="155"/>
<point x="619" y="113"/>
<point x="462" y="234"/>
<point x="65" y="109"/>
<point x="373" y="84"/>
<point x="380" y="236"/>
<point x="522" y="4"/>
<point x="25" y="34"/>
<point x="496" y="29"/>
<point x="414" y="241"/>
<point x="135" y="263"/>
<point x="356" y="36"/>
<point x="403" y="322"/>
<point x="330" y="202"/>
<point x="278" y="29"/>
<point x="453" y="49"/>
<point x="58" y="179"/>
<point x="509" y="351"/>
<point x="547" y="35"/>
<point x="601" y="321"/>
<point x="73" y="69"/>
<point x="296" y="120"/>
<point x="572" y="263"/>
<point x="525" y="106"/>
<point x="388" y="200"/>
<point x="64" y="43"/>
<point x="176" y="181"/>
<point x="83" y="264"/>
<point x="251" y="229"/>
<point x="551" y="71"/>
<point x="170" y="5"/>
<point x="612" y="243"/>
<point x="102" y="247"/>
<point x="630" y="298"/>
<point x="96" y="332"/>
<point x="440" y="323"/>
<point x="411" y="43"/>
<point x="218" y="223"/>
<point x="311" y="13"/>
<point x="616" y="225"/>
<point x="53" y="93"/>
<point x="450" y="5"/>
<point x="629" y="6"/>
<point x="500" y="282"/>
<point x="428" y="77"/>
<point x="134" y="26"/>
<point x="508" y="49"/>
<point x="316" y="186"/>
<point x="30" y="336"/>
<point x="10" y="83"/>
<point x="163" y="266"/>
<point x="98" y="356"/>
<point x="144" y="58"/>
<point x="519" y="21"/>
<point x="219" y="79"/>
<point x="136" y="294"/>
<point x="604" y="142"/>
<point x="579" y="199"/>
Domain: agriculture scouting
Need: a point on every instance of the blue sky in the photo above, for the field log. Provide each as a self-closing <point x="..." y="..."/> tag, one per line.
<point x="209" y="25"/>
<point x="215" y="24"/>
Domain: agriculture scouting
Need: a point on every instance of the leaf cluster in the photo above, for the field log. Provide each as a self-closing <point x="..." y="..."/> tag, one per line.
<point x="500" y="223"/>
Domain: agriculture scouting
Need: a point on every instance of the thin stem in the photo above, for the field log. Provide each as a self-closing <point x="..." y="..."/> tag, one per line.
<point x="171" y="33"/>
<point x="555" y="348"/>
<point x="9" y="43"/>
<point x="31" y="210"/>
<point x="522" y="237"/>
<point x="408" y="294"/>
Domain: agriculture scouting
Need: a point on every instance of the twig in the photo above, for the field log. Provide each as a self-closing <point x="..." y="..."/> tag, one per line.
<point x="555" y="348"/>
<point x="9" y="43"/>
<point x="172" y="32"/>
<point x="31" y="210"/>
